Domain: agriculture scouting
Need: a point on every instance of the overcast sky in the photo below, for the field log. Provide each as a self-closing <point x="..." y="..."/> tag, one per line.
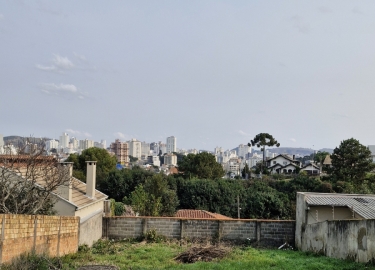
<point x="211" y="73"/>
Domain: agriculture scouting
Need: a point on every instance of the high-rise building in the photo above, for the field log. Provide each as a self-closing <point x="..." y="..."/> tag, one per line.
<point x="85" y="144"/>
<point x="121" y="150"/>
<point x="52" y="144"/>
<point x="171" y="144"/>
<point x="170" y="159"/>
<point x="64" y="140"/>
<point x="135" y="148"/>
<point x="74" y="143"/>
<point x="145" y="150"/>
<point x="244" y="151"/>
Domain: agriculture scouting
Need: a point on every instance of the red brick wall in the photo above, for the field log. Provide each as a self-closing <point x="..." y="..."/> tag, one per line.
<point x="52" y="235"/>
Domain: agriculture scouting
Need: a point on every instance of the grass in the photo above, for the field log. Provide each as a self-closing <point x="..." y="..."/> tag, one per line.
<point x="131" y="255"/>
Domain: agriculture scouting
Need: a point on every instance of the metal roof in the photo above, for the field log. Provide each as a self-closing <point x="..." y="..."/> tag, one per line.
<point x="362" y="205"/>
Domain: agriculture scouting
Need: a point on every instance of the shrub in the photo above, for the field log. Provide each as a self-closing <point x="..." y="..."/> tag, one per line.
<point x="119" y="208"/>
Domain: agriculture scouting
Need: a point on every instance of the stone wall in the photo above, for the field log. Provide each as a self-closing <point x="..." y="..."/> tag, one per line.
<point x="264" y="232"/>
<point x="343" y="239"/>
<point x="53" y="235"/>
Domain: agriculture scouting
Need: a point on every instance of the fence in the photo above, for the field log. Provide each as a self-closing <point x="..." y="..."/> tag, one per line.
<point x="264" y="232"/>
<point x="53" y="235"/>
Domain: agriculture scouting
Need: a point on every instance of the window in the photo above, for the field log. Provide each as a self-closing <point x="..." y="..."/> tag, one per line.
<point x="274" y="162"/>
<point x="285" y="162"/>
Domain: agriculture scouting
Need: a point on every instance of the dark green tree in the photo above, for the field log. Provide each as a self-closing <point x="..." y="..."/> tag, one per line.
<point x="132" y="159"/>
<point x="121" y="183"/>
<point x="202" y="165"/>
<point x="154" y="198"/>
<point x="105" y="163"/>
<point x="262" y="140"/>
<point x="351" y="161"/>
<point x="246" y="171"/>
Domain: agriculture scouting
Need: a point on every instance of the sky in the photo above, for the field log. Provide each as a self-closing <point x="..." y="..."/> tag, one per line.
<point x="210" y="73"/>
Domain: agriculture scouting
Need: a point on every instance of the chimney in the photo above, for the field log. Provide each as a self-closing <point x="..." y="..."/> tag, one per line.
<point x="65" y="190"/>
<point x="90" y="178"/>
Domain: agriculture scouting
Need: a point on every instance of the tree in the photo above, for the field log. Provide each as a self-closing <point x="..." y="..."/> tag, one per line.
<point x="154" y="198"/>
<point x="262" y="140"/>
<point x="351" y="161"/>
<point x="132" y="159"/>
<point x="27" y="182"/>
<point x="202" y="165"/>
<point x="246" y="173"/>
<point x="105" y="163"/>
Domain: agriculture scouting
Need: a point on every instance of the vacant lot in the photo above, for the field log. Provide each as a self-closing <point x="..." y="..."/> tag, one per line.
<point x="144" y="255"/>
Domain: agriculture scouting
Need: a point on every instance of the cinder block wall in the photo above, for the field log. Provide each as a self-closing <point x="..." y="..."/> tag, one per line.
<point x="52" y="235"/>
<point x="264" y="232"/>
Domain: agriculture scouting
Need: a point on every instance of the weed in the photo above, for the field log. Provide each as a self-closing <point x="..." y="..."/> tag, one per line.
<point x="152" y="236"/>
<point x="32" y="261"/>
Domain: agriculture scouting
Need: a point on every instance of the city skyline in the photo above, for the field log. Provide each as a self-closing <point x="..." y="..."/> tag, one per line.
<point x="210" y="73"/>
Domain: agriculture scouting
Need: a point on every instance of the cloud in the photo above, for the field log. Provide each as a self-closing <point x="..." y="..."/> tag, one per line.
<point x="77" y="132"/>
<point x="299" y="23"/>
<point x="243" y="133"/>
<point x="58" y="63"/>
<point x="62" y="62"/>
<point x="120" y="135"/>
<point x="325" y="9"/>
<point x="292" y="140"/>
<point x="46" y="68"/>
<point x="1" y="17"/>
<point x="63" y="90"/>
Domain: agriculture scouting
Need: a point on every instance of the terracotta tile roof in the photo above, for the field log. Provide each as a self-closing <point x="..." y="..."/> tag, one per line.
<point x="190" y="213"/>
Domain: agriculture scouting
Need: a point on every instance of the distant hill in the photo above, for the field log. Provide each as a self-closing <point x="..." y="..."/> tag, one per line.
<point x="297" y="151"/>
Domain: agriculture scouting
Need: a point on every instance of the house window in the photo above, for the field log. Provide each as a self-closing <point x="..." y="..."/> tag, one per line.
<point x="285" y="163"/>
<point x="274" y="162"/>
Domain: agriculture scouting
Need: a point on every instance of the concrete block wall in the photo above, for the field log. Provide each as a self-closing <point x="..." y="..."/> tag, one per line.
<point x="91" y="230"/>
<point x="264" y="232"/>
<point x="52" y="235"/>
<point x="342" y="239"/>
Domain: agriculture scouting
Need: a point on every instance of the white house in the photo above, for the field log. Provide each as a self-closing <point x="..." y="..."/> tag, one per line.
<point x="283" y="164"/>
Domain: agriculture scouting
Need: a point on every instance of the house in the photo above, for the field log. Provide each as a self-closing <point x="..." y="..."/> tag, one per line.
<point x="72" y="198"/>
<point x="83" y="200"/>
<point x="318" y="207"/>
<point x="191" y="213"/>
<point x="311" y="169"/>
<point x="283" y="164"/>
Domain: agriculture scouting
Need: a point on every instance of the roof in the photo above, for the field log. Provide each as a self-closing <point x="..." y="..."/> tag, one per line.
<point x="327" y="160"/>
<point x="284" y="156"/>
<point x="310" y="164"/>
<point x="363" y="205"/>
<point x="79" y="197"/>
<point x="191" y="213"/>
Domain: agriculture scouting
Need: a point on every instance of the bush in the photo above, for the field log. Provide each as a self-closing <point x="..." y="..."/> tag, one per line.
<point x="152" y="236"/>
<point x="119" y="208"/>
